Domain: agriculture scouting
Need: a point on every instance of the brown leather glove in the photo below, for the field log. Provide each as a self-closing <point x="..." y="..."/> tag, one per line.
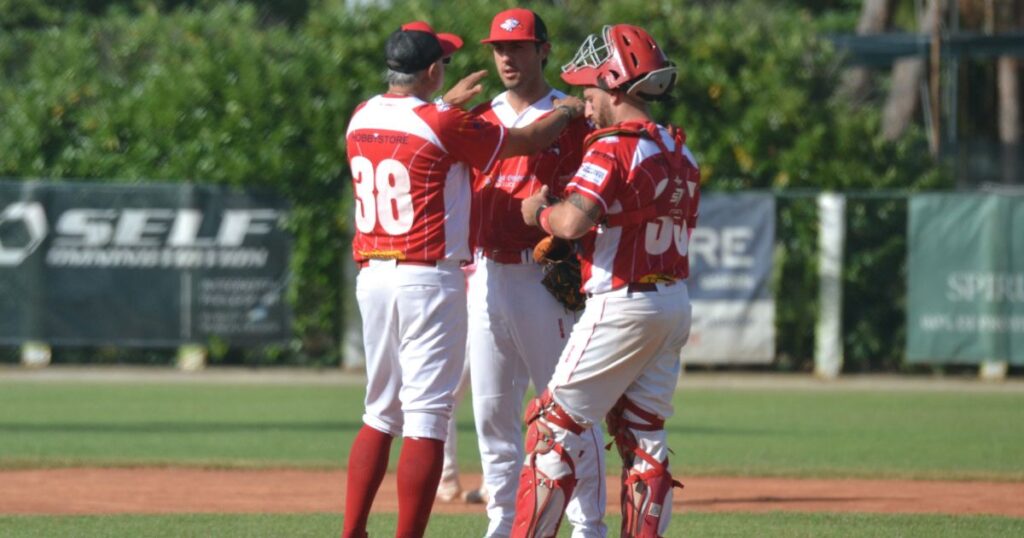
<point x="552" y="249"/>
<point x="562" y="276"/>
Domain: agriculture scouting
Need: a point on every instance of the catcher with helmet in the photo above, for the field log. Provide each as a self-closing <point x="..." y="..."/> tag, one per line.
<point x="630" y="206"/>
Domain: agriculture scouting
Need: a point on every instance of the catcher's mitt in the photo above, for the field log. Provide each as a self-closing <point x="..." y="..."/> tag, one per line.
<point x="561" y="271"/>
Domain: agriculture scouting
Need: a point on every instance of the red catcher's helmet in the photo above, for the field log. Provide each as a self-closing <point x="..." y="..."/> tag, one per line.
<point x="623" y="55"/>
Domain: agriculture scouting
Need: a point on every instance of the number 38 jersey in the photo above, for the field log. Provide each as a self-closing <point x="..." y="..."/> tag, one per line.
<point x="623" y="174"/>
<point x="410" y="162"/>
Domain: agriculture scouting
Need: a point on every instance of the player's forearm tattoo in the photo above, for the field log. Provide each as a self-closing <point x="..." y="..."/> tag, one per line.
<point x="591" y="210"/>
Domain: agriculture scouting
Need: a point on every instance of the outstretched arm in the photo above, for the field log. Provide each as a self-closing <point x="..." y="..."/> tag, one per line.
<point x="543" y="132"/>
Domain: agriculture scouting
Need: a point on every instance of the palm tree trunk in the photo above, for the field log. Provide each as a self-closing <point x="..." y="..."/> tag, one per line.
<point x="874" y="18"/>
<point x="1008" y="76"/>
<point x="906" y="81"/>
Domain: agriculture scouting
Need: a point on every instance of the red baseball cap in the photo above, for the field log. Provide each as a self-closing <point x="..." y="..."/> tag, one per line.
<point x="415" y="46"/>
<point x="517" y="24"/>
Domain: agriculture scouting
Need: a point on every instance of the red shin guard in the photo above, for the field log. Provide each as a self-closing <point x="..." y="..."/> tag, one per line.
<point x="643" y="500"/>
<point x="541" y="499"/>
<point x="644" y="494"/>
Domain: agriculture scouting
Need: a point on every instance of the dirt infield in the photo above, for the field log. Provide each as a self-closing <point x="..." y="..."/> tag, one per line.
<point x="171" y="490"/>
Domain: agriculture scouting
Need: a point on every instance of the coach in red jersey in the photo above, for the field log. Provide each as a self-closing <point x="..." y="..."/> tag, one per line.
<point x="516" y="328"/>
<point x="631" y="205"/>
<point x="410" y="162"/>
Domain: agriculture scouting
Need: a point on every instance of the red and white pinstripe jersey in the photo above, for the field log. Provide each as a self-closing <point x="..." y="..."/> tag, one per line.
<point x="410" y="163"/>
<point x="497" y="223"/>
<point x="624" y="173"/>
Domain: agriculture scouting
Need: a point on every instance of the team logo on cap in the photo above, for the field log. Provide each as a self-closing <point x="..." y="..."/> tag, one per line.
<point x="509" y="24"/>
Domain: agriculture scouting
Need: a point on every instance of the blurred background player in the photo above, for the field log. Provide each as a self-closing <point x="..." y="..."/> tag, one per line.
<point x="632" y="204"/>
<point x="517" y="329"/>
<point x="409" y="161"/>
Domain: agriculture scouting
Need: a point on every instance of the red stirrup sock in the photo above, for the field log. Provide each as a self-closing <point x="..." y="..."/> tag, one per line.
<point x="419" y="471"/>
<point x="367" y="463"/>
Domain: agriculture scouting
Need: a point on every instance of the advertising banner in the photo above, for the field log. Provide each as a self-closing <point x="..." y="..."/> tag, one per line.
<point x="145" y="265"/>
<point x="729" y="284"/>
<point x="965" y="279"/>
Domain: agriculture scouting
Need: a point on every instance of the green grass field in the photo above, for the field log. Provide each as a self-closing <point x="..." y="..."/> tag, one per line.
<point x="449" y="526"/>
<point x="883" y="434"/>
<point x="939" y="435"/>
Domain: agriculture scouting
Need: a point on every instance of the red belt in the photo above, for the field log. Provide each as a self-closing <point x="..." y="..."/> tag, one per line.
<point x="503" y="256"/>
<point x="365" y="263"/>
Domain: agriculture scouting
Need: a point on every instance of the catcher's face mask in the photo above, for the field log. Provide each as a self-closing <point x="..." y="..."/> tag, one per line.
<point x="623" y="56"/>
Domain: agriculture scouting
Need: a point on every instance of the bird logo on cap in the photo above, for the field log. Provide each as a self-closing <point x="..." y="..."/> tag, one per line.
<point x="509" y="25"/>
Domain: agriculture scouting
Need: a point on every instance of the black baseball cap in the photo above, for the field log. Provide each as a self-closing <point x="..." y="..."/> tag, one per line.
<point x="414" y="46"/>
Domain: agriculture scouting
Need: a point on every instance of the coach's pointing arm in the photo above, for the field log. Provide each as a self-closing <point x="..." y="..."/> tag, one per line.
<point x="543" y="132"/>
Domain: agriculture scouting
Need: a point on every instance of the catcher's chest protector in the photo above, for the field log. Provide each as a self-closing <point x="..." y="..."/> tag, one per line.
<point x="673" y="200"/>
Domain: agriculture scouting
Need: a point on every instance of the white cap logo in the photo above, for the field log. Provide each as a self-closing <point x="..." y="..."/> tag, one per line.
<point x="509" y="24"/>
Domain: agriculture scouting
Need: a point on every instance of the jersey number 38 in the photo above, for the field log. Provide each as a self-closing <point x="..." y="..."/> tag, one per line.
<point x="382" y="194"/>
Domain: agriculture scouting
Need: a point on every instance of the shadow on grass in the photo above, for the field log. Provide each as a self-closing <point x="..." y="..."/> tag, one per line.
<point x="180" y="427"/>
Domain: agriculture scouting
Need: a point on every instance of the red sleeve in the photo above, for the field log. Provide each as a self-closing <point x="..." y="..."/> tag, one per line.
<point x="598" y="176"/>
<point x="469" y="138"/>
<point x="570" y="149"/>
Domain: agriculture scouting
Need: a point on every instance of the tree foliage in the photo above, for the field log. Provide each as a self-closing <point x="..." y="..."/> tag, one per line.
<point x="225" y="93"/>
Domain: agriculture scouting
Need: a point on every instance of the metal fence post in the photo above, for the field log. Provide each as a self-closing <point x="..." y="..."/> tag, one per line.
<point x="828" y="334"/>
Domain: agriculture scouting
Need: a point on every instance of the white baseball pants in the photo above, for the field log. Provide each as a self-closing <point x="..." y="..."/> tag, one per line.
<point x="414" y="333"/>
<point x="516" y="332"/>
<point x="625" y="343"/>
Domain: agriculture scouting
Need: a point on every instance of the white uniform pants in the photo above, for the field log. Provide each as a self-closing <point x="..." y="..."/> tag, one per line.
<point x="625" y="343"/>
<point x="414" y="333"/>
<point x="516" y="332"/>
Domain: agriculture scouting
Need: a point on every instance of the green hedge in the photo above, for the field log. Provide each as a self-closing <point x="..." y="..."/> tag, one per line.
<point x="222" y="93"/>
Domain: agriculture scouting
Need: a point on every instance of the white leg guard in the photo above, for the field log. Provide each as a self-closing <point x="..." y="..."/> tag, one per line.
<point x="549" y="475"/>
<point x="646" y="497"/>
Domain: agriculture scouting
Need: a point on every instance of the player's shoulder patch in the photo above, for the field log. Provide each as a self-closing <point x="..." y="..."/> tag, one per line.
<point x="592" y="172"/>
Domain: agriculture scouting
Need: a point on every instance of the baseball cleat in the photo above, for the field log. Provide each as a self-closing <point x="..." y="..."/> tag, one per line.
<point x="449" y="490"/>
<point x="477" y="496"/>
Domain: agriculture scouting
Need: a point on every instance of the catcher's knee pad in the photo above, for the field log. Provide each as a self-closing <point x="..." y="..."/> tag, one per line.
<point x="549" y="474"/>
<point x="646" y="498"/>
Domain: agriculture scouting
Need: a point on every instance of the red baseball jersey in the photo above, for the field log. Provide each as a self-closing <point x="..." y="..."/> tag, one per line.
<point x="498" y="193"/>
<point x="410" y="163"/>
<point x="625" y="173"/>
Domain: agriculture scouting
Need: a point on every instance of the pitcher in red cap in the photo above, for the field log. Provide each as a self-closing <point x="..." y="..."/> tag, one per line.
<point x="410" y="162"/>
<point x="630" y="206"/>
<point x="516" y="328"/>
